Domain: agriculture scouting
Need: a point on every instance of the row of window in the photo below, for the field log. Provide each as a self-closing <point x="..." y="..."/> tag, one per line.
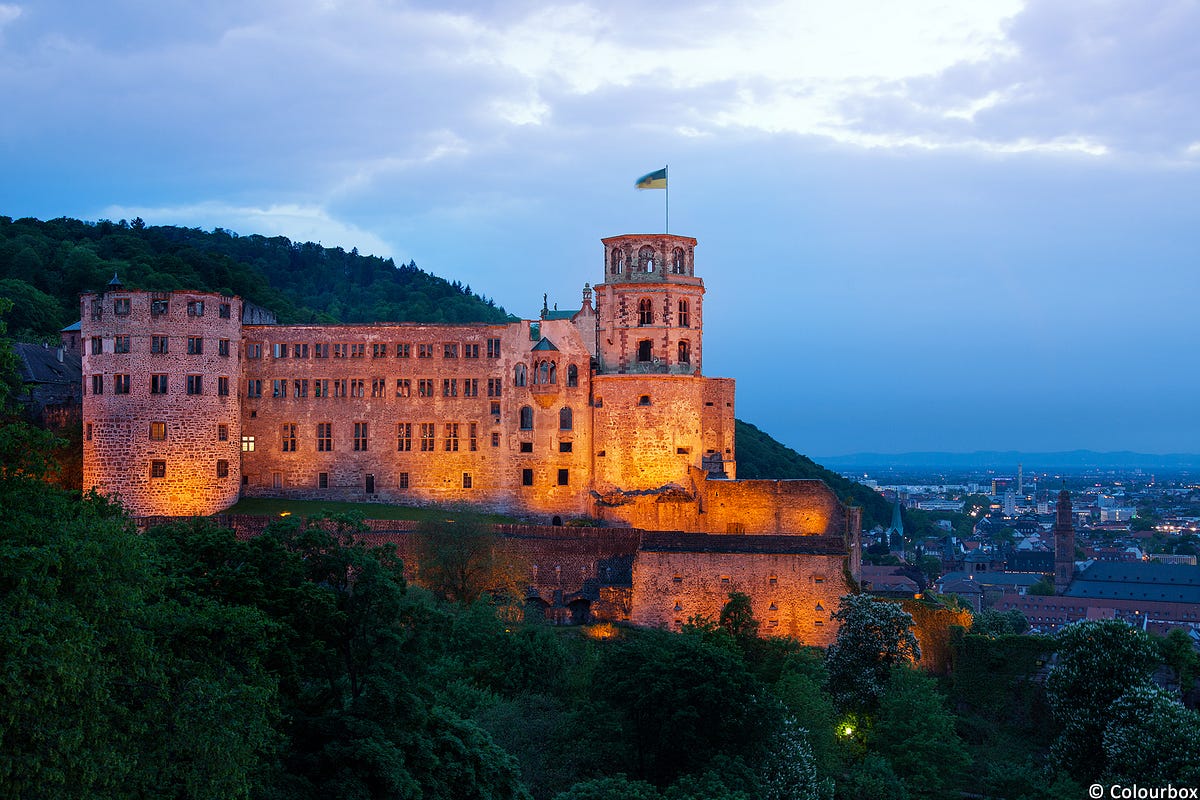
<point x="159" y="384"/>
<point x="466" y="350"/>
<point x="158" y="468"/>
<point x="425" y="387"/>
<point x="646" y="313"/>
<point x="159" y="344"/>
<point x="122" y="306"/>
<point x="625" y="262"/>
<point x="403" y="479"/>
<point x="683" y="353"/>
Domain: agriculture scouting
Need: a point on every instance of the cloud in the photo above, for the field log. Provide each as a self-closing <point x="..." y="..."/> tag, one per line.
<point x="298" y="223"/>
<point x="8" y="12"/>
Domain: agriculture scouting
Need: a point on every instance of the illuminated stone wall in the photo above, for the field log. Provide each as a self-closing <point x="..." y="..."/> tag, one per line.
<point x="451" y="365"/>
<point x="793" y="594"/>
<point x="152" y="437"/>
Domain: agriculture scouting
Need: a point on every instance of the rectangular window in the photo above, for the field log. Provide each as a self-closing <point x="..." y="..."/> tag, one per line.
<point x="158" y="384"/>
<point x="325" y="437"/>
<point x="223" y="385"/>
<point x="223" y="310"/>
<point x="320" y="388"/>
<point x="403" y="350"/>
<point x="470" y="351"/>
<point x="564" y="447"/>
<point x="158" y="469"/>
<point x="287" y="434"/>
<point x="195" y="384"/>
<point x="404" y="437"/>
<point x="402" y="483"/>
<point x="495" y="439"/>
<point x="97" y="384"/>
<point x="195" y="308"/>
<point x="494" y="387"/>
<point x="158" y="344"/>
<point x="424" y="351"/>
<point x="358" y="350"/>
<point x="377" y="387"/>
<point x="279" y="350"/>
<point x="300" y="350"/>
<point x="339" y="387"/>
<point x="340" y="350"/>
<point x="300" y="387"/>
<point x="451" y="441"/>
<point x="254" y="388"/>
<point x="493" y="348"/>
<point x="120" y="384"/>
<point x="564" y="477"/>
<point x="322" y="480"/>
<point x="159" y="307"/>
<point x="279" y="387"/>
<point x="466" y="480"/>
<point x="360" y="436"/>
<point x="526" y="447"/>
<point x="276" y="480"/>
<point x="222" y="468"/>
<point x="121" y="306"/>
<point x="473" y="437"/>
<point x="158" y="431"/>
<point x="426" y="437"/>
<point x="97" y="345"/>
<point x="449" y="387"/>
<point x="253" y="350"/>
<point x="450" y="350"/>
<point x="222" y="433"/>
<point x="425" y="387"/>
<point x="195" y="346"/>
<point x="88" y="431"/>
<point x="403" y="387"/>
<point x="378" y="350"/>
<point x="120" y="344"/>
<point x="321" y="350"/>
<point x="496" y="409"/>
<point x="357" y="387"/>
<point x="527" y="477"/>
<point x="470" y="387"/>
<point x="222" y="347"/>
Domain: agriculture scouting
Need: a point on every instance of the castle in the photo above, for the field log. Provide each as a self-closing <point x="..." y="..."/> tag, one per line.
<point x="192" y="400"/>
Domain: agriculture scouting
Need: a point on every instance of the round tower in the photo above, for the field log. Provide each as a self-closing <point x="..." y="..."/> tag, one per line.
<point x="648" y="309"/>
<point x="161" y="418"/>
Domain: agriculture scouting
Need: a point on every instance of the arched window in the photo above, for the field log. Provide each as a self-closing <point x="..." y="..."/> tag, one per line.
<point x="645" y="311"/>
<point x="646" y="259"/>
<point x="564" y="419"/>
<point x="519" y="375"/>
<point x="572" y="375"/>
<point x="526" y="418"/>
<point x="677" y="261"/>
<point x="644" y="353"/>
<point x="543" y="371"/>
<point x="616" y="262"/>
<point x="685" y="352"/>
<point x="554" y="372"/>
<point x="684" y="316"/>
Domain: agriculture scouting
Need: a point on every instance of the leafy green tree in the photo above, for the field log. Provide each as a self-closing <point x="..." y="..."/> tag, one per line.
<point x="1177" y="652"/>
<point x="1098" y="662"/>
<point x="1150" y="738"/>
<point x="874" y="636"/>
<point x="872" y="779"/>
<point x="463" y="559"/>
<point x="915" y="732"/>
<point x="790" y="772"/>
<point x="990" y="622"/>
<point x="1043" y="588"/>
<point x="615" y="787"/>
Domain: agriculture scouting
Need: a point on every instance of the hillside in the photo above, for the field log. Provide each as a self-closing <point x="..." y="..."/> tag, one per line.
<point x="45" y="265"/>
<point x="760" y="456"/>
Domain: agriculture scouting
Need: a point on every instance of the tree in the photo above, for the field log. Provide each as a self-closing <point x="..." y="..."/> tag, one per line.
<point x="1098" y="662"/>
<point x="875" y="635"/>
<point x="462" y="559"/>
<point x="1151" y="739"/>
<point x="790" y="773"/>
<point x="915" y="732"/>
<point x="1043" y="588"/>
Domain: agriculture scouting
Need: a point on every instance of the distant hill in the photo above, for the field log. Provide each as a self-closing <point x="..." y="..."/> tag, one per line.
<point x="760" y="456"/>
<point x="1009" y="459"/>
<point x="45" y="265"/>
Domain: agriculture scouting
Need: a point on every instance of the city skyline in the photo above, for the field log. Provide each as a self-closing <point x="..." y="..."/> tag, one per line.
<point x="921" y="226"/>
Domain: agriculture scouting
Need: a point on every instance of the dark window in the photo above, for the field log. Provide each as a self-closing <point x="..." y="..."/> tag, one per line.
<point x="685" y="352"/>
<point x="222" y="433"/>
<point x="158" y="344"/>
<point x="300" y="388"/>
<point x="357" y="387"/>
<point x="645" y="353"/>
<point x="467" y="479"/>
<point x="526" y="418"/>
<point x="427" y="433"/>
<point x="470" y="351"/>
<point x="424" y="351"/>
<point x="287" y="435"/>
<point x="449" y="387"/>
<point x="404" y="436"/>
<point x="195" y="346"/>
<point x="195" y="308"/>
<point x="360" y="436"/>
<point x="223" y="310"/>
<point x="158" y="384"/>
<point x="564" y="447"/>
<point x="493" y="387"/>
<point x="254" y="388"/>
<point x="279" y="350"/>
<point x="320" y="349"/>
<point x="402" y="483"/>
<point x="222" y="347"/>
<point x="493" y="348"/>
<point x="403" y="350"/>
<point x="253" y="350"/>
<point x="526" y="447"/>
<point x="564" y="477"/>
<point x="519" y="373"/>
<point x="564" y="419"/>
<point x="324" y="437"/>
<point x="403" y="387"/>
<point x="644" y="400"/>
<point x="97" y="345"/>
<point x="223" y="386"/>
<point x="120" y="384"/>
<point x="378" y="350"/>
<point x="279" y="387"/>
<point x="495" y="439"/>
<point x="195" y="384"/>
<point x="684" y="318"/>
<point x="472" y="437"/>
<point x="424" y="387"/>
<point x="645" y="311"/>
<point x="527" y="477"/>
<point x="222" y="468"/>
<point x="97" y="384"/>
<point x="358" y="350"/>
<point x="495" y="408"/>
<point x="470" y="387"/>
<point x="88" y="431"/>
<point x="121" y="306"/>
<point x="572" y="375"/>
<point x="450" y="350"/>
<point x="451" y="440"/>
<point x="120" y="344"/>
<point x="377" y="387"/>
<point x="158" y="469"/>
<point x="159" y="307"/>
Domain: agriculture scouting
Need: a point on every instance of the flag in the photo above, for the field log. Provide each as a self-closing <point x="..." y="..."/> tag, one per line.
<point x="655" y="180"/>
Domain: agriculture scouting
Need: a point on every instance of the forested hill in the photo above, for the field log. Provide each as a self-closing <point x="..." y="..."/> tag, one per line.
<point x="760" y="456"/>
<point x="45" y="265"/>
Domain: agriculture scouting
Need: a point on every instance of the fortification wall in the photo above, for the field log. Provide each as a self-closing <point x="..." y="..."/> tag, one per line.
<point x="159" y="434"/>
<point x="791" y="595"/>
<point x="484" y="422"/>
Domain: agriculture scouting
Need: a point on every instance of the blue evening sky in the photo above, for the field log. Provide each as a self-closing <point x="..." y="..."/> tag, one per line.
<point x="923" y="224"/>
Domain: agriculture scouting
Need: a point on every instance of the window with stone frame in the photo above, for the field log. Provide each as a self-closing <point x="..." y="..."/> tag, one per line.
<point x="158" y="469"/>
<point x="339" y="387"/>
<point x="564" y="477"/>
<point x="120" y="384"/>
<point x="222" y="432"/>
<point x="645" y="352"/>
<point x="300" y="350"/>
<point x="322" y="480"/>
<point x="403" y="350"/>
<point x="493" y="348"/>
<point x="254" y="387"/>
<point x="493" y="387"/>
<point x="195" y="384"/>
<point x="684" y="318"/>
<point x="279" y="388"/>
<point x="358" y="350"/>
<point x="572" y="375"/>
<point x="427" y="437"/>
<point x="360" y="436"/>
<point x="279" y="350"/>
<point x="158" y="431"/>
<point x="450" y="442"/>
<point x="300" y="387"/>
<point x="472" y="436"/>
<point x="159" y="344"/>
<point x="466" y="480"/>
<point x="320" y="349"/>
<point x="449" y="387"/>
<point x="403" y="437"/>
<point x="340" y="349"/>
<point x="403" y="387"/>
<point x="450" y="350"/>
<point x="287" y="435"/>
<point x="320" y="387"/>
<point x="223" y="310"/>
<point x="121" y="344"/>
<point x="253" y="350"/>
<point x="527" y="477"/>
<point x="222" y="468"/>
<point x="519" y="375"/>
<point x="97" y="346"/>
<point x="470" y="387"/>
<point x="158" y="384"/>
<point x="195" y="308"/>
<point x="121" y="306"/>
<point x="97" y="384"/>
<point x="645" y="311"/>
<point x="425" y="387"/>
<point x="378" y="387"/>
<point x="685" y="352"/>
<point x="526" y="418"/>
<point x="247" y="444"/>
<point x="325" y="437"/>
<point x="195" y="345"/>
<point x="222" y="347"/>
<point x="358" y="387"/>
<point x="495" y="438"/>
<point x="565" y="419"/>
<point x="424" y="351"/>
<point x="379" y="350"/>
<point x="402" y="481"/>
<point x="223" y="385"/>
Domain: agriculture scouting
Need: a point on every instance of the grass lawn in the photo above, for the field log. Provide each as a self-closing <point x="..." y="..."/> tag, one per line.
<point x="273" y="507"/>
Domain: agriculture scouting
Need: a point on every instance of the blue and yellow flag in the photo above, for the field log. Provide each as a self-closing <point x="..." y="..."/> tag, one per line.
<point x="654" y="180"/>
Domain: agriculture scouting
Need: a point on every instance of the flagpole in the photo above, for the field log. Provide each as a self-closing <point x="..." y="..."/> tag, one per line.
<point x="667" y="221"/>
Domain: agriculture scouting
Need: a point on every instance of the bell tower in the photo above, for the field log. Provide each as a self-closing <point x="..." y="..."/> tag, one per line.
<point x="649" y="313"/>
<point x="1064" y="543"/>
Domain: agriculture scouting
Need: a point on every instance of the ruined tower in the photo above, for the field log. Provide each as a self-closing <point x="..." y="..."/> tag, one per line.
<point x="1064" y="543"/>
<point x="161" y="419"/>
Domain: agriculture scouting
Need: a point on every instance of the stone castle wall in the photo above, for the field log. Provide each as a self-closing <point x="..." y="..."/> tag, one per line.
<point x="158" y="432"/>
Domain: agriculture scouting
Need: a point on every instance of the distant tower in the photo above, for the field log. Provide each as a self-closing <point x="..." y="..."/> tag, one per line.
<point x="1064" y="543"/>
<point x="1021" y="479"/>
<point x="895" y="532"/>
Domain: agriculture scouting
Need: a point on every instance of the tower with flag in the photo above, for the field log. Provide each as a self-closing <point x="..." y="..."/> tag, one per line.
<point x="658" y="180"/>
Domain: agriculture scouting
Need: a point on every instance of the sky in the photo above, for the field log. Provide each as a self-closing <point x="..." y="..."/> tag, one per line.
<point x="922" y="224"/>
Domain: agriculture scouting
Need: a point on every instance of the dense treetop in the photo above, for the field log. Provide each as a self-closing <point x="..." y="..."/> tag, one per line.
<point x="45" y="265"/>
